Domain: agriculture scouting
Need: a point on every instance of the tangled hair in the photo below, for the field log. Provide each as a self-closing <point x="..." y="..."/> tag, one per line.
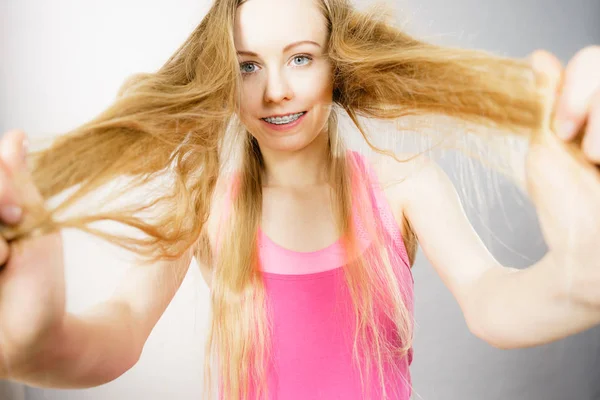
<point x="166" y="130"/>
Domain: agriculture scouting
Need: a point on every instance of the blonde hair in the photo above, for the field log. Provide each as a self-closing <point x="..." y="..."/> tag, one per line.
<point x="170" y="126"/>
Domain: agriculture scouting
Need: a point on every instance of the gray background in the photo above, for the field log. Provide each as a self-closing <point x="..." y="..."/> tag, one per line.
<point x="62" y="62"/>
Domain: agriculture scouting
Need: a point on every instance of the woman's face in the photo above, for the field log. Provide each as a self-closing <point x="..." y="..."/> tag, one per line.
<point x="281" y="47"/>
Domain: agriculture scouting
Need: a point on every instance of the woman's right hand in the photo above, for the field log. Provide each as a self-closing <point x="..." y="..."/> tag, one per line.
<point x="32" y="285"/>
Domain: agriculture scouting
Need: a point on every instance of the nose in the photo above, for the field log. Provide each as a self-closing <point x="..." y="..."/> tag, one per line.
<point x="278" y="88"/>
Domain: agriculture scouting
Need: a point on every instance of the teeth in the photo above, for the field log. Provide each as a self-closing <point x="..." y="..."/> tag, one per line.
<point x="284" y="120"/>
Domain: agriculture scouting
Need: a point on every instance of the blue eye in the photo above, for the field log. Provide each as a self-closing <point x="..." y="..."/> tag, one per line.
<point x="244" y="69"/>
<point x="303" y="57"/>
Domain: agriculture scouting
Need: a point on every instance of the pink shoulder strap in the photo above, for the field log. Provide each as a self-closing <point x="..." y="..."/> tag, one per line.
<point x="382" y="208"/>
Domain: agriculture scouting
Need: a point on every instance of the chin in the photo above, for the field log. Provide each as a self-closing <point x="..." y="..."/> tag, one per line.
<point x="290" y="143"/>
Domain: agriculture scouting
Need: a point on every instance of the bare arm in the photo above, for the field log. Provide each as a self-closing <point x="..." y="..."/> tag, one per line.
<point x="506" y="307"/>
<point x="101" y="344"/>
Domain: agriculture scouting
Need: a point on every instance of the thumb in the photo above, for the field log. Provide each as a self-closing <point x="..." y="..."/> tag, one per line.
<point x="14" y="150"/>
<point x="13" y="154"/>
<point x="549" y="76"/>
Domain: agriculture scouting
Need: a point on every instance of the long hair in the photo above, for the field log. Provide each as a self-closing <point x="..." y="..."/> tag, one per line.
<point x="166" y="130"/>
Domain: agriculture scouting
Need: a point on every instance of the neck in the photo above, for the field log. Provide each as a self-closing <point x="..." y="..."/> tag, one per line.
<point x="305" y="167"/>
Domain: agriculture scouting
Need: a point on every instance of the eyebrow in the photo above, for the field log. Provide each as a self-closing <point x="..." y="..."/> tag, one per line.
<point x="286" y="48"/>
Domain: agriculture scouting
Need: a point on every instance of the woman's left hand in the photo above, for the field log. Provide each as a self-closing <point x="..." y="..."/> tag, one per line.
<point x="563" y="170"/>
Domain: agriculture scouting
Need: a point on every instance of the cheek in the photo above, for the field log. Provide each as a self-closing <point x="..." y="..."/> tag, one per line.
<point x="250" y="104"/>
<point x="322" y="100"/>
<point x="321" y="93"/>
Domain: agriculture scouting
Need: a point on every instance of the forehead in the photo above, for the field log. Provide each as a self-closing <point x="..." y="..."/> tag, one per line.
<point x="263" y="25"/>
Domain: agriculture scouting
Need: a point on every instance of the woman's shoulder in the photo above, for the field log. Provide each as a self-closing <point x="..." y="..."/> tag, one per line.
<point x="398" y="176"/>
<point x="401" y="180"/>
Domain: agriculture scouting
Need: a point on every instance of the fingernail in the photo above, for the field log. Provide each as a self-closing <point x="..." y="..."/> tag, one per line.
<point x="11" y="214"/>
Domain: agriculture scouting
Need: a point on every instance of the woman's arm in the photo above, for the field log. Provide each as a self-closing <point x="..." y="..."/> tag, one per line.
<point x="101" y="344"/>
<point x="506" y="307"/>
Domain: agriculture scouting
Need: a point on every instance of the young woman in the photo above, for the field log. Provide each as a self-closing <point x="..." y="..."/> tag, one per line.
<point x="306" y="246"/>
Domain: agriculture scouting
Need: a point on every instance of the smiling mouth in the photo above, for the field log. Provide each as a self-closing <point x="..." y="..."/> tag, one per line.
<point x="288" y="119"/>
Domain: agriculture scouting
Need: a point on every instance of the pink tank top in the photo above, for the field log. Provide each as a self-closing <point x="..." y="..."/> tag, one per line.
<point x="312" y="319"/>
